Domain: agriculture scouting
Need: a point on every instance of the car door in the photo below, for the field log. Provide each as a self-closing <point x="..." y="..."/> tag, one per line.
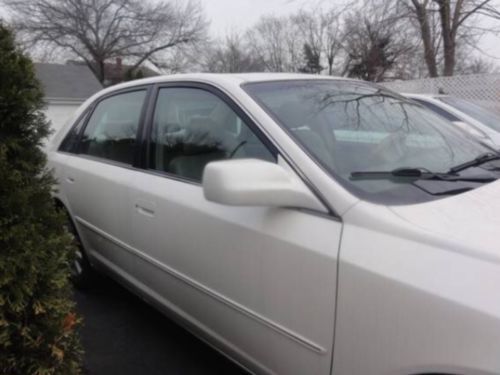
<point x="97" y="172"/>
<point x="258" y="282"/>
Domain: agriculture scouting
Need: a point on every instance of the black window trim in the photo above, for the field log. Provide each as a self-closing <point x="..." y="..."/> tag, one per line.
<point x="89" y="111"/>
<point x="144" y="158"/>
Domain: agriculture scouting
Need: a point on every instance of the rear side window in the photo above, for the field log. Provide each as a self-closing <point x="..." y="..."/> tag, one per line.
<point x="70" y="142"/>
<point x="111" y="131"/>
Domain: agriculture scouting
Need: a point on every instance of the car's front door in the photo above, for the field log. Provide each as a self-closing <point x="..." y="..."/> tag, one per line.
<point x="97" y="173"/>
<point x="260" y="282"/>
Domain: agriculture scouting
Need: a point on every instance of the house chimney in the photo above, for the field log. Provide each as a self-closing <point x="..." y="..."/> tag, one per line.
<point x="118" y="64"/>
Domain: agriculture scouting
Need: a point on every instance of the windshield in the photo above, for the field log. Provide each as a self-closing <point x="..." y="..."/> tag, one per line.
<point x="349" y="126"/>
<point x="483" y="115"/>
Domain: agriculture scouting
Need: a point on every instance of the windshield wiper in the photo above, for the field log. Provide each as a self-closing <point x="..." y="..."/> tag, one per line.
<point x="481" y="159"/>
<point x="412" y="174"/>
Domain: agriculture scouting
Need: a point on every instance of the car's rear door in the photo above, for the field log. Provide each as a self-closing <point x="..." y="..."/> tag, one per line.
<point x="97" y="172"/>
<point x="260" y="282"/>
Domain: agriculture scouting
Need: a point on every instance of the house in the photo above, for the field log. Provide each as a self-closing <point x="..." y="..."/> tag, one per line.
<point x="66" y="87"/>
<point x="116" y="71"/>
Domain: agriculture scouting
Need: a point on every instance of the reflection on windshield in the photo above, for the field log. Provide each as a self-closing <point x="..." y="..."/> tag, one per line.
<point x="483" y="115"/>
<point x="349" y="126"/>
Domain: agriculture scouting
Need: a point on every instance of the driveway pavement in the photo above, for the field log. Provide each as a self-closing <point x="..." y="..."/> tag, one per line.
<point x="123" y="335"/>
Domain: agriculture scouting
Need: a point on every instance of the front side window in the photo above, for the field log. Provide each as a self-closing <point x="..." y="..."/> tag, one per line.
<point x="354" y="129"/>
<point x="192" y="127"/>
<point x="112" y="128"/>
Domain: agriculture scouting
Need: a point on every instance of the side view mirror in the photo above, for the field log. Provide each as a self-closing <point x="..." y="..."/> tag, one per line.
<point x="252" y="182"/>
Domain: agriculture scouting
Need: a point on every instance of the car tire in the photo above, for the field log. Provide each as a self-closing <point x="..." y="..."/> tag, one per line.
<point x="82" y="274"/>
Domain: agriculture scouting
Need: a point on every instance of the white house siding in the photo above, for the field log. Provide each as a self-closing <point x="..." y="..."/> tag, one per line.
<point x="58" y="111"/>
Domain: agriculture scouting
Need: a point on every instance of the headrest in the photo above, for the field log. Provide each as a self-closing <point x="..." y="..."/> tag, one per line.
<point x="119" y="130"/>
<point x="203" y="135"/>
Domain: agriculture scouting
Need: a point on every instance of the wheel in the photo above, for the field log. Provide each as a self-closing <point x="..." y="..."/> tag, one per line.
<point x="82" y="275"/>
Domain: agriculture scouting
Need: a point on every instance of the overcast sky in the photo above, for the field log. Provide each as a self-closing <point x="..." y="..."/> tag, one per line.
<point x="237" y="15"/>
<point x="228" y="15"/>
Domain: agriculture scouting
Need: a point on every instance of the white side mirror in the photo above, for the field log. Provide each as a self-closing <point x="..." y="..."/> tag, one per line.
<point x="252" y="182"/>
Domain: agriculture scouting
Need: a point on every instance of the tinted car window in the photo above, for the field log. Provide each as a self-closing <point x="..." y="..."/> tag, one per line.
<point x="70" y="141"/>
<point x="112" y="128"/>
<point x="193" y="127"/>
<point x="484" y="115"/>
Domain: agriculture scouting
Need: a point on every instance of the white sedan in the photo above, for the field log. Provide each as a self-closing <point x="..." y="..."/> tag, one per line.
<point x="478" y="121"/>
<point x="299" y="224"/>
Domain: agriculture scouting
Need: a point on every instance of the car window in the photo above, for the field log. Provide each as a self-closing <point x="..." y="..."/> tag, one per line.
<point x="70" y="141"/>
<point x="112" y="128"/>
<point x="436" y="109"/>
<point x="193" y="127"/>
<point x="484" y="115"/>
<point x="352" y="129"/>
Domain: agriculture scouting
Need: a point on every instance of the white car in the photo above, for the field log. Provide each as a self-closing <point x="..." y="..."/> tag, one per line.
<point x="473" y="118"/>
<point x="299" y="224"/>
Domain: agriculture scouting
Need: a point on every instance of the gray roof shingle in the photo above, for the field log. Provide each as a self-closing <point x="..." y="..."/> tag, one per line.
<point x="67" y="81"/>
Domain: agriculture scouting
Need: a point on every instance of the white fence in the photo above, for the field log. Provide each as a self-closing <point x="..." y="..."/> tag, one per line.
<point x="481" y="88"/>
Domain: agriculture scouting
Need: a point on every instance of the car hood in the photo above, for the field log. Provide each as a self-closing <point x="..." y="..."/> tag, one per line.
<point x="469" y="221"/>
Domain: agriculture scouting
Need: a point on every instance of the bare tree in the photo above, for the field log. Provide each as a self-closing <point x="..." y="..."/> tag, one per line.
<point x="232" y="56"/>
<point x="98" y="30"/>
<point x="180" y="59"/>
<point x="321" y="33"/>
<point x="333" y="37"/>
<point x="275" y="42"/>
<point x="375" y="41"/>
<point x="473" y="65"/>
<point x="421" y="13"/>
<point x="297" y="42"/>
<point x="458" y="19"/>
<point x="312" y="31"/>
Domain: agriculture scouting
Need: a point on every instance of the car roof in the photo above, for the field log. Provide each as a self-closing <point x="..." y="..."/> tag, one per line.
<point x="224" y="78"/>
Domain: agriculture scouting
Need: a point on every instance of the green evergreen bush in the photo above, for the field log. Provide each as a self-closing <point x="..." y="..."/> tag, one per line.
<point x="37" y="319"/>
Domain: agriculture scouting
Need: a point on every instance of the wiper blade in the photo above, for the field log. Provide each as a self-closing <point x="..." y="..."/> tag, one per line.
<point x="381" y="175"/>
<point x="481" y="159"/>
<point x="412" y="174"/>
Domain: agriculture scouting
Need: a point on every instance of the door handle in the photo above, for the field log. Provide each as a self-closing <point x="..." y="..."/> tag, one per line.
<point x="71" y="180"/>
<point x="145" y="208"/>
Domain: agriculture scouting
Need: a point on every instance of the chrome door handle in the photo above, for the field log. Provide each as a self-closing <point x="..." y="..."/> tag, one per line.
<point x="71" y="180"/>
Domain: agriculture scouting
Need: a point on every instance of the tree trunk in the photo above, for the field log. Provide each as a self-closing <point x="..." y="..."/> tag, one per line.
<point x="448" y="36"/>
<point x="100" y="70"/>
<point x="425" y="31"/>
<point x="449" y="60"/>
<point x="97" y="67"/>
<point x="330" y="65"/>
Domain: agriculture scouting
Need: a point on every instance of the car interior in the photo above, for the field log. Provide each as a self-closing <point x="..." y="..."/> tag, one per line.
<point x="186" y="139"/>
<point x="112" y="129"/>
